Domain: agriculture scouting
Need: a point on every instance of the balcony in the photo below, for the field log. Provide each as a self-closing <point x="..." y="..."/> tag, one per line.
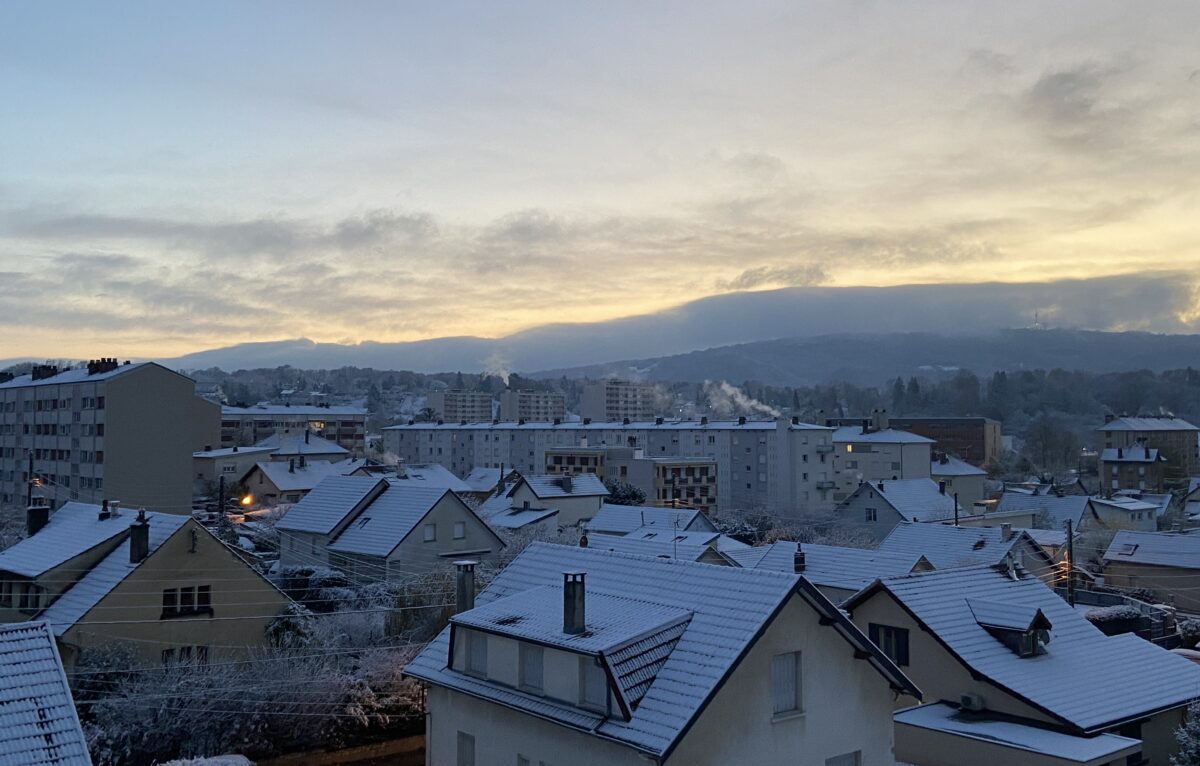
<point x="824" y="448"/>
<point x="826" y="484"/>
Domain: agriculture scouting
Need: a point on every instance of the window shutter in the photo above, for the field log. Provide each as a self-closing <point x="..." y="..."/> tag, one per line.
<point x="901" y="647"/>
<point x="785" y="682"/>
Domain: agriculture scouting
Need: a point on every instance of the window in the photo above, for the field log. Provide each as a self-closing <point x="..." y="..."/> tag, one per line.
<point x="228" y="469"/>
<point x="466" y="749"/>
<point x="531" y="667"/>
<point x="593" y="687"/>
<point x="871" y="515"/>
<point x="892" y="641"/>
<point x="522" y="760"/>
<point x="785" y="683"/>
<point x="186" y="601"/>
<point x="460" y="530"/>
<point x="477" y="654"/>
<point x="430" y="533"/>
<point x="849" y="759"/>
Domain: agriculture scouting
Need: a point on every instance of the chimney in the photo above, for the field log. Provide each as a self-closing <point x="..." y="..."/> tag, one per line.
<point x="741" y="420"/>
<point x="37" y="515"/>
<point x="574" y="620"/>
<point x="1006" y="532"/>
<point x="306" y="432"/>
<point x="235" y="449"/>
<point x="587" y="421"/>
<point x="881" y="421"/>
<point x="1108" y="417"/>
<point x="104" y="514"/>
<point x="139" y="539"/>
<point x="798" y="559"/>
<point x="624" y="421"/>
<point x="583" y="541"/>
<point x="302" y="461"/>
<point x="795" y="420"/>
<point x="464" y="585"/>
<point x="558" y="421"/>
<point x="880" y="485"/>
<point x="658" y="421"/>
<point x="1120" y="453"/>
<point x="704" y="420"/>
<point x="291" y="465"/>
<point x="114" y="507"/>
<point x="942" y="487"/>
<point x="566" y="483"/>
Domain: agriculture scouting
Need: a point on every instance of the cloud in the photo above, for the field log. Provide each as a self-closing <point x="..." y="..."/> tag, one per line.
<point x="785" y="276"/>
<point x="1072" y="106"/>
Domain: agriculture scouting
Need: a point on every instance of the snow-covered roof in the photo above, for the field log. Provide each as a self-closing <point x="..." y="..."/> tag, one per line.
<point x="1163" y="549"/>
<point x="73" y="529"/>
<point x="508" y="517"/>
<point x="1126" y="504"/>
<point x="431" y="475"/>
<point x="622" y="519"/>
<point x="829" y="566"/>
<point x="1138" y="678"/>
<point x="482" y="479"/>
<point x="1161" y="502"/>
<point x="77" y="375"/>
<point x="230" y="451"/>
<point x="329" y="503"/>
<point x="550" y="486"/>
<point x="1058" y="509"/>
<point x="1193" y="485"/>
<point x="914" y="499"/>
<point x="610" y="425"/>
<point x="855" y="435"/>
<point x="1006" y="732"/>
<point x="1132" y="454"/>
<point x="948" y="465"/>
<point x="656" y="541"/>
<point x="300" y="478"/>
<point x="1048" y="538"/>
<point x="294" y="443"/>
<point x="1148" y="424"/>
<point x="386" y="520"/>
<point x="108" y="573"/>
<point x="311" y="411"/>
<point x="38" y="722"/>
<point x="730" y="607"/>
<point x="947" y="546"/>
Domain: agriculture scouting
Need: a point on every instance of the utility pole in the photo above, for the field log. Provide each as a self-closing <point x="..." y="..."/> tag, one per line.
<point x="956" y="509"/>
<point x="221" y="497"/>
<point x="29" y="488"/>
<point x="1070" y="564"/>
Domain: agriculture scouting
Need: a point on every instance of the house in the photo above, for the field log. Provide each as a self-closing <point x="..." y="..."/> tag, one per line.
<point x="581" y="656"/>
<point x="289" y="444"/>
<point x="272" y="483"/>
<point x="705" y="547"/>
<point x="875" y="508"/>
<point x="962" y="479"/>
<point x="837" y="571"/>
<point x="100" y="574"/>
<point x="948" y="547"/>
<point x="1124" y="512"/>
<point x="1191" y="501"/>
<point x="381" y="529"/>
<point x="623" y="519"/>
<point x="874" y="451"/>
<point x="38" y="722"/>
<point x="230" y="463"/>
<point x="1176" y="439"/>
<point x="1134" y="467"/>
<point x="421" y="474"/>
<point x="998" y="644"/>
<point x="575" y="498"/>
<point x="1166" y="563"/>
<point x="1053" y="511"/>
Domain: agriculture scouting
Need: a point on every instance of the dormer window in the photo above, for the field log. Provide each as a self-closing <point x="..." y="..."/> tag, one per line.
<point x="1023" y="629"/>
<point x="593" y="686"/>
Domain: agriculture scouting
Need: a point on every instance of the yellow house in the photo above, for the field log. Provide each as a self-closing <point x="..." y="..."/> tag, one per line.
<point x="160" y="582"/>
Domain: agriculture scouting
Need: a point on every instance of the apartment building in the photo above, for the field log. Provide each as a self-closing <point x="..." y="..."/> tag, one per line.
<point x="1136" y="467"/>
<point x="667" y="482"/>
<point x="619" y="400"/>
<point x="782" y="465"/>
<point x="455" y="406"/>
<point x="1176" y="439"/>
<point x="107" y="430"/>
<point x="875" y="451"/>
<point x="978" y="440"/>
<point x="244" y="426"/>
<point x="532" y="405"/>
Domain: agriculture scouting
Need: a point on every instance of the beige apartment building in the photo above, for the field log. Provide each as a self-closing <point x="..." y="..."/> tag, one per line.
<point x="875" y="451"/>
<point x="668" y="482"/>
<point x="1176" y="440"/>
<point x="456" y="406"/>
<point x="244" y="426"/>
<point x="619" y="400"/>
<point x="532" y="405"/>
<point x="107" y="430"/>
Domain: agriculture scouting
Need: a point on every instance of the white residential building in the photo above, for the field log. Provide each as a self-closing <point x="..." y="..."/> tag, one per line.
<point x="867" y="453"/>
<point x="248" y="425"/>
<point x="455" y="406"/>
<point x="875" y="508"/>
<point x="544" y="406"/>
<point x="582" y="657"/>
<point x="619" y="400"/>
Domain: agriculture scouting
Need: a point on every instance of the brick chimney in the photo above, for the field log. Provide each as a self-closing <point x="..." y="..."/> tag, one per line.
<point x="139" y="539"/>
<point x="37" y="515"/>
<point x="798" y="559"/>
<point x="574" y="619"/>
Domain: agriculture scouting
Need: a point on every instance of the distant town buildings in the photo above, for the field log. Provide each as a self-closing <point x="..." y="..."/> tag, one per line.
<point x="962" y="479"/>
<point x="532" y="405"/>
<point x="457" y="406"/>
<point x="874" y="451"/>
<point x="674" y="482"/>
<point x="976" y="440"/>
<point x="1137" y="467"/>
<point x="619" y="400"/>
<point x="108" y="430"/>
<point x="1176" y="439"/>
<point x="244" y="426"/>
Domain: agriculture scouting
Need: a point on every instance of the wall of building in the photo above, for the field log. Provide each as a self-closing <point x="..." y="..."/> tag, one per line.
<point x="1178" y="586"/>
<point x="970" y="489"/>
<point x="415" y="557"/>
<point x="926" y="747"/>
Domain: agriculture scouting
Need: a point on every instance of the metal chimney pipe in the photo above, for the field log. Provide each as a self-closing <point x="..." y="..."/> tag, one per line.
<point x="574" y="619"/>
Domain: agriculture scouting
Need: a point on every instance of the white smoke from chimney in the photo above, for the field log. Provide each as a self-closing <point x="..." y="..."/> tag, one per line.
<point x="725" y="400"/>
<point x="497" y="365"/>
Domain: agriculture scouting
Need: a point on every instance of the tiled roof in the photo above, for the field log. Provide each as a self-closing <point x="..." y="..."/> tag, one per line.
<point x="1135" y="454"/>
<point x="73" y="529"/>
<point x="301" y="478"/>
<point x="914" y="499"/>
<point x="1164" y="549"/>
<point x="328" y="504"/>
<point x="288" y="443"/>
<point x="729" y="608"/>
<point x="1085" y="679"/>
<point x="1006" y="615"/>
<point x="1057" y="509"/>
<point x="509" y="517"/>
<point x="947" y="546"/>
<point x="547" y="486"/>
<point x="230" y="451"/>
<point x="847" y="434"/>
<point x="482" y="479"/>
<point x="954" y="467"/>
<point x="829" y="566"/>
<point x="78" y="375"/>
<point x="622" y="519"/>
<point x="686" y="548"/>
<point x="1148" y="424"/>
<point x="387" y="520"/>
<point x="1126" y="504"/>
<point x="990" y="728"/>
<point x="38" y="723"/>
<point x="640" y="425"/>
<point x="431" y="475"/>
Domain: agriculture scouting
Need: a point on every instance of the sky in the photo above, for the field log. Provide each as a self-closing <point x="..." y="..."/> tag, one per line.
<point x="180" y="176"/>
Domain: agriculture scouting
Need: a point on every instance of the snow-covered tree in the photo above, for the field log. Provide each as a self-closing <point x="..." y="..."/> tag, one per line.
<point x="1188" y="737"/>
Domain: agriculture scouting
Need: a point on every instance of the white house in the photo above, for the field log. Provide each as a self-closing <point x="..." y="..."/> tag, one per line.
<point x="584" y="657"/>
<point x="623" y="519"/>
<point x="962" y="479"/>
<point x="874" y="508"/>
<point x="839" y="572"/>
<point x="946" y="547"/>
<point x="547" y="501"/>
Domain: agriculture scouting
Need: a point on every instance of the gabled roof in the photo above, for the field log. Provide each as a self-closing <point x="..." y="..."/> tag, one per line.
<point x="1161" y="502"/>
<point x="430" y="475"/>
<point x="109" y="572"/>
<point x="230" y="451"/>
<point x="948" y="465"/>
<point x="328" y="504"/>
<point x="1163" y="549"/>
<point x="1058" y="509"/>
<point x="388" y="519"/>
<point x="79" y="375"/>
<point x="1086" y="680"/>
<point x="1126" y="504"/>
<point x="1004" y="615"/>
<point x="659" y="542"/>
<point x="287" y="443"/>
<point x="622" y="519"/>
<point x="300" y="478"/>
<point x="1148" y="424"/>
<point x="947" y="546"/>
<point x="830" y="566"/>
<point x="73" y="529"/>
<point x="913" y="499"/>
<point x="482" y="479"/>
<point x="38" y="722"/>
<point x="729" y="607"/>
<point x="550" y="487"/>
<point x="854" y="434"/>
<point x="1131" y="454"/>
